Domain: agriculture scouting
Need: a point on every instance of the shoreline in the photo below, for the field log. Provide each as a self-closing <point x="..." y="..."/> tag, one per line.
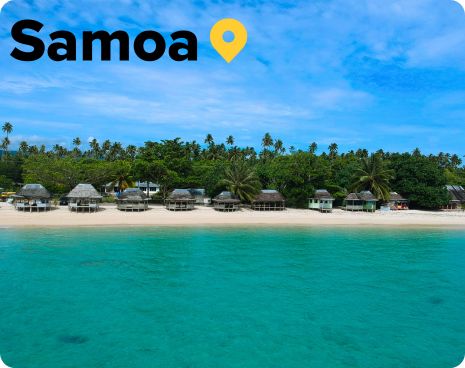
<point x="158" y="216"/>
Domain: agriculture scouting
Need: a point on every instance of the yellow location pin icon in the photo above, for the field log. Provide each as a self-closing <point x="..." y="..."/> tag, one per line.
<point x="228" y="50"/>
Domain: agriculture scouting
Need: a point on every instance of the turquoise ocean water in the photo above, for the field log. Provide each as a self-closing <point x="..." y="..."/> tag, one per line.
<point x="232" y="298"/>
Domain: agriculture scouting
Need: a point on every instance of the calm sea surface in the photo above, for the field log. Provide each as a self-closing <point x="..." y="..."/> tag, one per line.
<point x="232" y="298"/>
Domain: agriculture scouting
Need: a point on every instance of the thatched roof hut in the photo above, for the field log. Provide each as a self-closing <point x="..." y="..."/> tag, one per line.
<point x="33" y="191"/>
<point x="84" y="197"/>
<point x="369" y="201"/>
<point x="351" y="197"/>
<point x="180" y="200"/>
<point x="32" y="197"/>
<point x="268" y="200"/>
<point x="397" y="202"/>
<point x="226" y="201"/>
<point x="132" y="199"/>
<point x="394" y="196"/>
<point x="226" y="197"/>
<point x="133" y="194"/>
<point x="367" y="196"/>
<point x="353" y="203"/>
<point x="181" y="194"/>
<point x="363" y="201"/>
<point x="84" y="191"/>
<point x="322" y="194"/>
<point x="321" y="201"/>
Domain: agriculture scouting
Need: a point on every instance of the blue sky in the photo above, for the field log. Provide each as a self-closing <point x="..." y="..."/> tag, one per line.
<point x="374" y="74"/>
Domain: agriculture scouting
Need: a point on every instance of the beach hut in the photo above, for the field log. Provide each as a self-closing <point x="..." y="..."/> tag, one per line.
<point x="363" y="201"/>
<point x="368" y="201"/>
<point x="226" y="202"/>
<point x="180" y="200"/>
<point x="321" y="201"/>
<point x="32" y="197"/>
<point x="132" y="199"/>
<point x="457" y="197"/>
<point x="84" y="198"/>
<point x="268" y="200"/>
<point x="353" y="203"/>
<point x="397" y="202"/>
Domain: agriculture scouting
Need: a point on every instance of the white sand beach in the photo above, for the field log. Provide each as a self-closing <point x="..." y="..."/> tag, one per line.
<point x="206" y="216"/>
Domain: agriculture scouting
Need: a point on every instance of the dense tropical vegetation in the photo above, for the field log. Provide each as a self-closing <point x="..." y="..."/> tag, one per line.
<point x="221" y="166"/>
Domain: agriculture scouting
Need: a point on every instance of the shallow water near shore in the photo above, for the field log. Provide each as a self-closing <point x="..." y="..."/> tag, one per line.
<point x="238" y="297"/>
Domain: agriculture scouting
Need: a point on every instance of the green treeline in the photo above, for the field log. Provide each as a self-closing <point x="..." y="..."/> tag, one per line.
<point x="219" y="166"/>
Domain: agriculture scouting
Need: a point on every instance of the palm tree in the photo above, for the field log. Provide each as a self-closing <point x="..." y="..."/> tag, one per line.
<point x="106" y="145"/>
<point x="94" y="148"/>
<point x="7" y="128"/>
<point x="230" y="140"/>
<point x="116" y="151"/>
<point x="59" y="150"/>
<point x="209" y="139"/>
<point x="267" y="141"/>
<point x="131" y="151"/>
<point x="361" y="153"/>
<point x="455" y="161"/>
<point x="373" y="176"/>
<point x="313" y="147"/>
<point x="333" y="147"/>
<point x="279" y="147"/>
<point x="242" y="181"/>
<point x="5" y="143"/>
<point x="77" y="142"/>
<point x="23" y="148"/>
<point x="122" y="178"/>
<point x="33" y="150"/>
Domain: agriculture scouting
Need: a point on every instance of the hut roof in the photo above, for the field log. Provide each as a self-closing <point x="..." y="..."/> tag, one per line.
<point x="133" y="194"/>
<point x="457" y="193"/>
<point x="397" y="197"/>
<point x="33" y="191"/>
<point x="352" y="197"/>
<point x="226" y="197"/>
<point x="86" y="191"/>
<point x="322" y="194"/>
<point x="269" y="195"/>
<point x="367" y="196"/>
<point x="181" y="195"/>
